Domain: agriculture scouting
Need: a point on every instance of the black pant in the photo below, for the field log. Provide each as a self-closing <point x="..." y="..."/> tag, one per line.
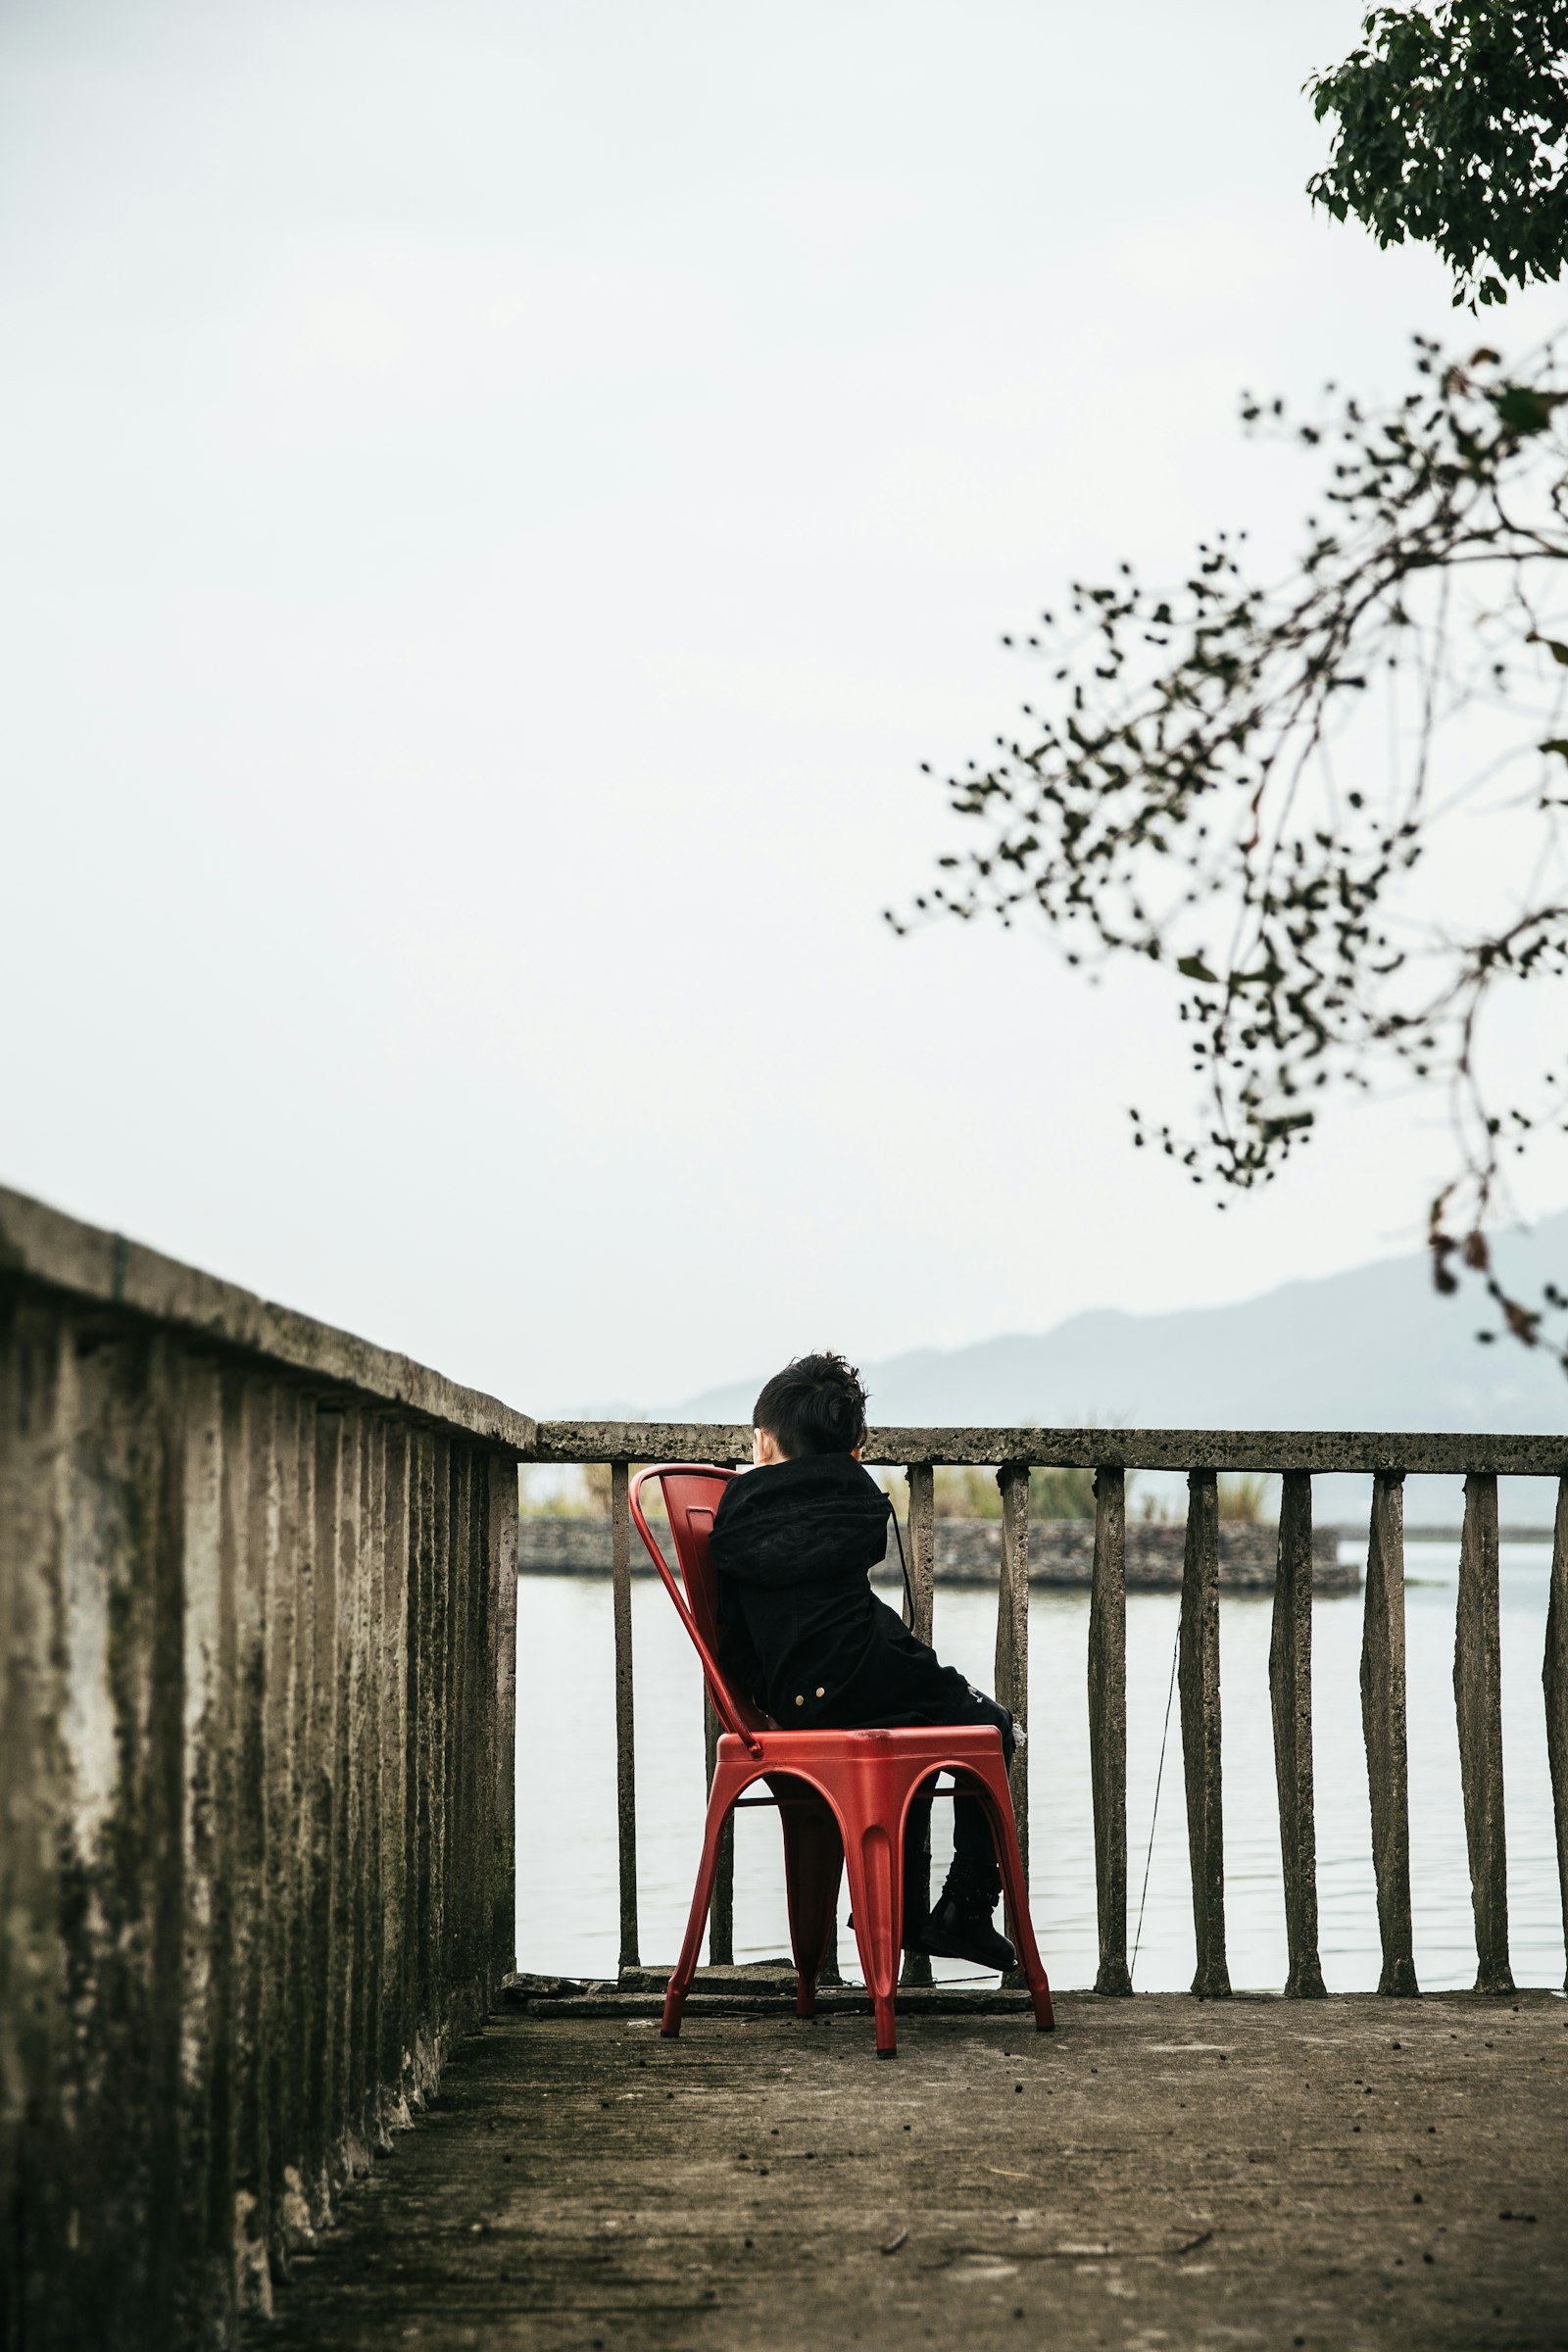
<point x="972" y="1842"/>
<point x="901" y="1685"/>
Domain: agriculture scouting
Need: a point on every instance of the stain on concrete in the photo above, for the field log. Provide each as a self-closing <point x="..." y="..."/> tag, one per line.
<point x="1330" y="2174"/>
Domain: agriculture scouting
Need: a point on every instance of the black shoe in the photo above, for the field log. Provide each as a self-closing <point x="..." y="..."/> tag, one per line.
<point x="960" y="1931"/>
<point x="960" y="1926"/>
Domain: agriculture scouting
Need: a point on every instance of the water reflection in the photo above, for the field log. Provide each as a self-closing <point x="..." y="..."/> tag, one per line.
<point x="566" y="1874"/>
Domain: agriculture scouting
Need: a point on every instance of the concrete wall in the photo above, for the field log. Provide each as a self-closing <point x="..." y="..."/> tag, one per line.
<point x="256" y="1776"/>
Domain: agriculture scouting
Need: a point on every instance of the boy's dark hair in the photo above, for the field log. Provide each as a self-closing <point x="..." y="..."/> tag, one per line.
<point x="815" y="1405"/>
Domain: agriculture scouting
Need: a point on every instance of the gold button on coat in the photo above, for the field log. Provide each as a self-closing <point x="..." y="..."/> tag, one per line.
<point x="800" y="1698"/>
<point x="821" y="1692"/>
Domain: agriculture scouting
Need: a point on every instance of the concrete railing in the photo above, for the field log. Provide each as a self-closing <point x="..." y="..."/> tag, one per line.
<point x="1295" y="1457"/>
<point x="257" y="1609"/>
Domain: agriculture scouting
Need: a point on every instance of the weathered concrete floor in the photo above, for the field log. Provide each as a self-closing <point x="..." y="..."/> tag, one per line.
<point x="1157" y="2175"/>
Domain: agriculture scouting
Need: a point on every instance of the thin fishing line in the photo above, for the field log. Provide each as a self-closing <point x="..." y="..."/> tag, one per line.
<point x="1158" y="1776"/>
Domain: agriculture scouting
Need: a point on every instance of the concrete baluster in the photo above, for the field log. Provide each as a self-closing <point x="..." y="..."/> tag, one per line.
<point x="205" y="2257"/>
<point x="37" y="1425"/>
<point x="501" y="1529"/>
<point x="396" y="2013"/>
<point x="1383" y="1723"/>
<point x="323" y="1992"/>
<point x="284" y="1500"/>
<point x="1290" y="1676"/>
<point x="459" y="1892"/>
<point x="293" y="2058"/>
<point x="1107" y="1726"/>
<point x="356" y="1749"/>
<point x="921" y="1536"/>
<point x="1199" y="1682"/>
<point x="424" y="1763"/>
<point x="247" y="1451"/>
<point x="1554" y="1686"/>
<point x="370" y="1937"/>
<point x="478" y="1739"/>
<point x="1012" y="1629"/>
<point x="626" y="1747"/>
<point x="722" y="1906"/>
<point x="1478" y="1704"/>
<point x="440" y="1755"/>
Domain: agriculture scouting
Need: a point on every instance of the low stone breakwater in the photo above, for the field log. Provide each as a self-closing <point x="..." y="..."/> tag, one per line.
<point x="968" y="1551"/>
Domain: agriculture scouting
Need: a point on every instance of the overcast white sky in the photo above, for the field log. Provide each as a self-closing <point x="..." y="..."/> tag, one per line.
<point x="498" y="500"/>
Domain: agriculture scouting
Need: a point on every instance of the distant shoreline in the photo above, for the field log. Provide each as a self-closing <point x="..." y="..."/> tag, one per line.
<point x="968" y="1551"/>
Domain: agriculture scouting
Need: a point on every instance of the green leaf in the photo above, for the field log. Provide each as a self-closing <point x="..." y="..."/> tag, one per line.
<point x="1555" y="743"/>
<point x="1555" y="647"/>
<point x="1523" y="410"/>
<point x="1192" y="967"/>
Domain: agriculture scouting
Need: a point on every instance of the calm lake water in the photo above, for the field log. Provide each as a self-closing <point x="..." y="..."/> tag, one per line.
<point x="566" y="1873"/>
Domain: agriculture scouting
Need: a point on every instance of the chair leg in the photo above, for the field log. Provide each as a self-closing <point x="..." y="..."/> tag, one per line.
<point x="998" y="1803"/>
<point x="813" y="1866"/>
<point x="876" y="1891"/>
<point x="727" y="1787"/>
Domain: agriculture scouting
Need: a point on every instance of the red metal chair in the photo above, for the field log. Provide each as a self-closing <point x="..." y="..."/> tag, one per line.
<point x="842" y="1795"/>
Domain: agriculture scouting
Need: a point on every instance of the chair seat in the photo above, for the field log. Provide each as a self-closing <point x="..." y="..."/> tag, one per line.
<point x="966" y="1742"/>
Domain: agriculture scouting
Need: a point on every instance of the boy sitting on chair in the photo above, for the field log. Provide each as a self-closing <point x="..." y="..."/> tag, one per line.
<point x="801" y="1632"/>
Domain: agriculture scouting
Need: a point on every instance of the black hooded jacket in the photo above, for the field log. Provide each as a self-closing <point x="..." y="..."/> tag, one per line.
<point x="800" y="1630"/>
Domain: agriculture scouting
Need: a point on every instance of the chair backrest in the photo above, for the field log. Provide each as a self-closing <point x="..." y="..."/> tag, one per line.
<point x="692" y="1494"/>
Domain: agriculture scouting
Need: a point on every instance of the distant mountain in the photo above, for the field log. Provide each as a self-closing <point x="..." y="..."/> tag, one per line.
<point x="1372" y="1349"/>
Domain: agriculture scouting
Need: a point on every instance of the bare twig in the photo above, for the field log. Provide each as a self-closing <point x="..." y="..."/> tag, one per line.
<point x="1197" y="766"/>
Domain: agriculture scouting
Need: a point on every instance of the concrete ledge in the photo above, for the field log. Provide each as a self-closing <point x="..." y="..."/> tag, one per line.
<point x="38" y="1244"/>
<point x="1442" y="1452"/>
<point x="765" y="2001"/>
